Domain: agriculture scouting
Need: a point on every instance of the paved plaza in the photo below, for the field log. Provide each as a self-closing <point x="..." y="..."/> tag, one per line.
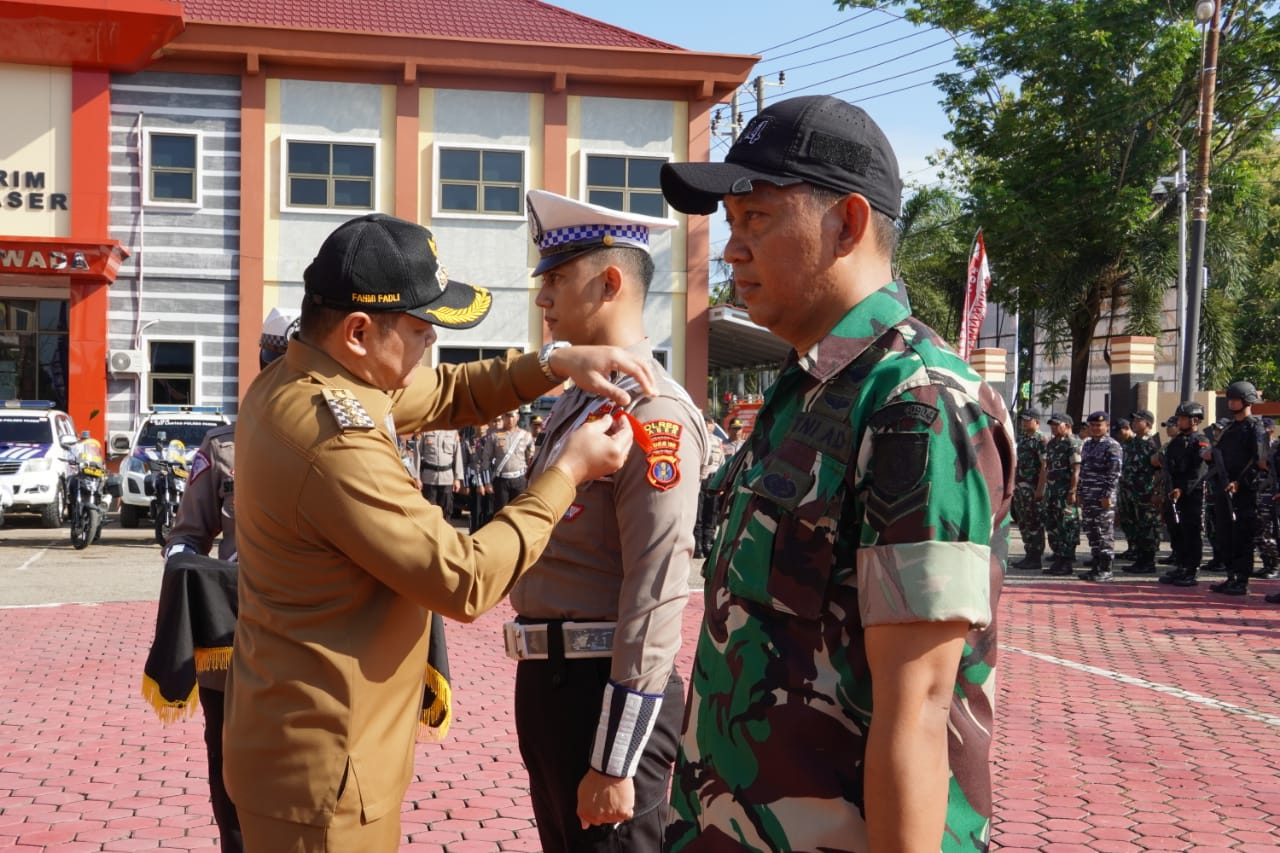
<point x="1133" y="717"/>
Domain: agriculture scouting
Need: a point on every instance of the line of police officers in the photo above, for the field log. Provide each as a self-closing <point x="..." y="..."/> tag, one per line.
<point x="1220" y="482"/>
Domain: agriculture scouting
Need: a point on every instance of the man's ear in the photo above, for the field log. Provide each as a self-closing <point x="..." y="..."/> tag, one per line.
<point x="355" y="330"/>
<point x="854" y="215"/>
<point x="611" y="279"/>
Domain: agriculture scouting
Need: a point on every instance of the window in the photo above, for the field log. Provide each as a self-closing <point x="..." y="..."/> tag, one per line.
<point x="481" y="180"/>
<point x="173" y="373"/>
<point x="626" y="183"/>
<point x="33" y="350"/>
<point x="660" y="356"/>
<point x="462" y="355"/>
<point x="173" y="168"/>
<point x="329" y="175"/>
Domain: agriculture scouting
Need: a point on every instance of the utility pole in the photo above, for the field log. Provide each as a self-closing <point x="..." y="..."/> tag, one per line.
<point x="735" y="120"/>
<point x="1207" y="12"/>
<point x="761" y="83"/>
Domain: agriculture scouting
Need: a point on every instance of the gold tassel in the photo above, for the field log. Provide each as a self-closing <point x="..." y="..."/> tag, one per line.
<point x="435" y="721"/>
<point x="167" y="711"/>
<point x="209" y="660"/>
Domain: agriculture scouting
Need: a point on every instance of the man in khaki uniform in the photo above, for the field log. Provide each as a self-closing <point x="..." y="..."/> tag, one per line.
<point x="341" y="559"/>
<point x="598" y="701"/>
<point x="440" y="467"/>
<point x="735" y="442"/>
<point x="505" y="448"/>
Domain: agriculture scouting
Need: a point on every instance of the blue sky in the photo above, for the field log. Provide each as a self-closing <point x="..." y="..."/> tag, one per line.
<point x="872" y="58"/>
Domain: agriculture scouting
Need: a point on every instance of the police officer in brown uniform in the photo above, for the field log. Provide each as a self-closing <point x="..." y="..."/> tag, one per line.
<point x="735" y="442"/>
<point x="598" y="701"/>
<point x="506" y="448"/>
<point x="440" y="467"/>
<point x="704" y="530"/>
<point x="341" y="559"/>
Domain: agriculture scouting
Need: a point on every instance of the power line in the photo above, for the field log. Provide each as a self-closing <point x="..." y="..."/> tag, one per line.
<point x="840" y="23"/>
<point x="895" y="77"/>
<point x="823" y="43"/>
<point x="860" y="49"/>
<point x="868" y="67"/>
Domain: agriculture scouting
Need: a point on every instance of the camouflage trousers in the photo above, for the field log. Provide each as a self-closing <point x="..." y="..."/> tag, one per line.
<point x="1099" y="526"/>
<point x="1030" y="523"/>
<point x="1265" y="539"/>
<point x="1061" y="523"/>
<point x="1140" y="521"/>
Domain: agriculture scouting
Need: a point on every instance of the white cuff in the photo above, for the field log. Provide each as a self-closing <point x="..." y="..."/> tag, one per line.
<point x="627" y="718"/>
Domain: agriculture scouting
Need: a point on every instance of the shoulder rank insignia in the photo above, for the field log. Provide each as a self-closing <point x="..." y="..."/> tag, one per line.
<point x="664" y="456"/>
<point x="347" y="410"/>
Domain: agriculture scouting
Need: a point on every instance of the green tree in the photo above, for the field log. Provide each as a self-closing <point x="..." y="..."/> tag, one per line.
<point x="932" y="259"/>
<point x="1064" y="113"/>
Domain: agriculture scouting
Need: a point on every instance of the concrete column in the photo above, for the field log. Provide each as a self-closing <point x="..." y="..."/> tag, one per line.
<point x="1133" y="361"/>
<point x="990" y="364"/>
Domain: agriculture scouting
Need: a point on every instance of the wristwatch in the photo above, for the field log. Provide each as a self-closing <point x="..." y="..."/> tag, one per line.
<point x="544" y="360"/>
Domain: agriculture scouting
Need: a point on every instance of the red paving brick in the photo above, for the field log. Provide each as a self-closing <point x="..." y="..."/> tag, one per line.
<point x="1132" y="718"/>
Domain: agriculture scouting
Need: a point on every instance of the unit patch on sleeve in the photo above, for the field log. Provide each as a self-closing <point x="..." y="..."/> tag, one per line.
<point x="664" y="454"/>
<point x="199" y="464"/>
<point x="347" y="410"/>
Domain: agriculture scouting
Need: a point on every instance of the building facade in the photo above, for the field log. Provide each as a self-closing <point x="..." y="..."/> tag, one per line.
<point x="168" y="170"/>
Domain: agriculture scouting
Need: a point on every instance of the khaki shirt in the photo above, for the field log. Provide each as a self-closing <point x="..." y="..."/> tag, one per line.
<point x="440" y="457"/>
<point x="208" y="504"/>
<point x="341" y="560"/>
<point x="624" y="549"/>
<point x="505" y="451"/>
<point x="715" y="457"/>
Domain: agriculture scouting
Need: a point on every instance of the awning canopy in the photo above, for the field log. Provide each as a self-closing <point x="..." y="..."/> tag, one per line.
<point x="115" y="35"/>
<point x="736" y="342"/>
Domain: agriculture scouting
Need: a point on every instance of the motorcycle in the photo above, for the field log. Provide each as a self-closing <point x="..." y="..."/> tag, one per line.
<point x="86" y="493"/>
<point x="167" y="486"/>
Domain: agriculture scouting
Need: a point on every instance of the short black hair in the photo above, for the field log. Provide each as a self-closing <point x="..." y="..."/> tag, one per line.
<point x="316" y="321"/>
<point x="633" y="261"/>
<point x="884" y="228"/>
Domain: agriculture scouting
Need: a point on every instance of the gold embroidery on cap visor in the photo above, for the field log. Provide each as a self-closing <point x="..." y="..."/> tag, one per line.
<point x="468" y="314"/>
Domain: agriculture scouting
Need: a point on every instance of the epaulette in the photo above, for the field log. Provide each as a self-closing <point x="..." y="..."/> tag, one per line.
<point x="347" y="410"/>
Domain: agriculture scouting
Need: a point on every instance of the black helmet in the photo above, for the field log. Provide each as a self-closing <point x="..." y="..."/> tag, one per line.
<point x="1243" y="391"/>
<point x="1191" y="409"/>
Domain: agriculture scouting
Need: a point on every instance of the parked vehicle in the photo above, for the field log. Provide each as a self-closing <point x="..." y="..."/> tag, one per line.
<point x="167" y="484"/>
<point x="86" y="490"/>
<point x="187" y="424"/>
<point x="33" y="465"/>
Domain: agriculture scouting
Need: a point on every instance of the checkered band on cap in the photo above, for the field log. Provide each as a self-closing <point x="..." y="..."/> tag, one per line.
<point x="630" y="235"/>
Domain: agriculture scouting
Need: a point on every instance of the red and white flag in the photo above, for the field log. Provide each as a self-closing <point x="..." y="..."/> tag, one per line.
<point x="975" y="298"/>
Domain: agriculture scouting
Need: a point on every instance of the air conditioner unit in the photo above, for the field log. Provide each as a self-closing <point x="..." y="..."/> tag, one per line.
<point x="127" y="361"/>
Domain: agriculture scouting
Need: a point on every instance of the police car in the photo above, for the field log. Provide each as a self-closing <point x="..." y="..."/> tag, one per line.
<point x="33" y="464"/>
<point x="187" y="424"/>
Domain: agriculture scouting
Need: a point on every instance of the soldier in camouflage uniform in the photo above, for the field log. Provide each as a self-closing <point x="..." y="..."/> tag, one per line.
<point x="1138" y="503"/>
<point x="1101" y="459"/>
<point x="865" y="526"/>
<point x="1122" y="431"/>
<point x="1029" y="491"/>
<point x="1061" y="511"/>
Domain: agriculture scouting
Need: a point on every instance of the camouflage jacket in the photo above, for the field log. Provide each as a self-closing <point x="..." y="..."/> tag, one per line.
<point x="874" y="490"/>
<point x="1030" y="456"/>
<point x="1061" y="453"/>
<point x="1139" y="476"/>
<point x="1100" y="463"/>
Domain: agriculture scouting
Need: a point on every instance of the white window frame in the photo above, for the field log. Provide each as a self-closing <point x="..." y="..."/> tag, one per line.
<point x="197" y="346"/>
<point x="666" y="353"/>
<point x="439" y="146"/>
<point x="627" y="153"/>
<point x="148" y="200"/>
<point x="344" y="212"/>
<point x="501" y="346"/>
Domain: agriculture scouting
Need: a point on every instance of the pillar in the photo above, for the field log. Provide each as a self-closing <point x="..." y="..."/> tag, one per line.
<point x="991" y="366"/>
<point x="1133" y="362"/>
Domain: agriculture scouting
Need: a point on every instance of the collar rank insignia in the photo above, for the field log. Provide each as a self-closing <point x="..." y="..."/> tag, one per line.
<point x="347" y="410"/>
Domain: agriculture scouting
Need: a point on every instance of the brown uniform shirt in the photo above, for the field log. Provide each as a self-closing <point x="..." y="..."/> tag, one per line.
<point x="624" y="549"/>
<point x="341" y="560"/>
<point x="505" y="450"/>
<point x="440" y="459"/>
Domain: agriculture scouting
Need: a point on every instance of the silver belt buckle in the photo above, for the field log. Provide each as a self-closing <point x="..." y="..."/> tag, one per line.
<point x="525" y="642"/>
<point x="588" y="639"/>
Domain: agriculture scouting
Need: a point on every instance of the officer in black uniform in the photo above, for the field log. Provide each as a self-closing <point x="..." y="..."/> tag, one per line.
<point x="1185" y="467"/>
<point x="1241" y="466"/>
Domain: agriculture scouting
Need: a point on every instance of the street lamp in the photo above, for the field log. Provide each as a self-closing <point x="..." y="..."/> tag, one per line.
<point x="1164" y="185"/>
<point x="1207" y="15"/>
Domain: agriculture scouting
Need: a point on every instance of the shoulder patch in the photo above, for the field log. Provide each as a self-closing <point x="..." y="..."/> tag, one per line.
<point x="199" y="464"/>
<point x="347" y="410"/>
<point x="572" y="512"/>
<point x="663" y="455"/>
<point x="904" y="415"/>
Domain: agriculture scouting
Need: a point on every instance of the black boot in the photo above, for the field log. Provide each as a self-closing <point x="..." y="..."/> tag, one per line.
<point x="1186" y="578"/>
<point x="1273" y="598"/>
<point x="1233" y="585"/>
<point x="1268" y="570"/>
<point x="1128" y="554"/>
<point x="1169" y="560"/>
<point x="1102" y="574"/>
<point x="1061" y="566"/>
<point x="1144" y="564"/>
<point x="1214" y="565"/>
<point x="1031" y="563"/>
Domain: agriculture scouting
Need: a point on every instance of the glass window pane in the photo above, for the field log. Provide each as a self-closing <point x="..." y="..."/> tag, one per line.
<point x="354" y="160"/>
<point x="173" y="152"/>
<point x="606" y="198"/>
<point x="503" y="166"/>
<point x="643" y="174"/>
<point x="170" y="390"/>
<point x="502" y="199"/>
<point x="19" y="315"/>
<point x="173" y="186"/>
<point x="648" y="204"/>
<point x="606" y="171"/>
<point x="308" y="158"/>
<point x="53" y="315"/>
<point x="308" y="191"/>
<point x="172" y="357"/>
<point x="457" y="355"/>
<point x="353" y="193"/>
<point x="457" y="197"/>
<point x="460" y="165"/>
<point x="52" y="381"/>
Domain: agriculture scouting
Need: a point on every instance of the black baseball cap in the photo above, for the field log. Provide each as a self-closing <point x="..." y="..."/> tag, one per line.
<point x="815" y="139"/>
<point x="1061" y="418"/>
<point x="381" y="263"/>
<point x="1143" y="414"/>
<point x="1030" y="415"/>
